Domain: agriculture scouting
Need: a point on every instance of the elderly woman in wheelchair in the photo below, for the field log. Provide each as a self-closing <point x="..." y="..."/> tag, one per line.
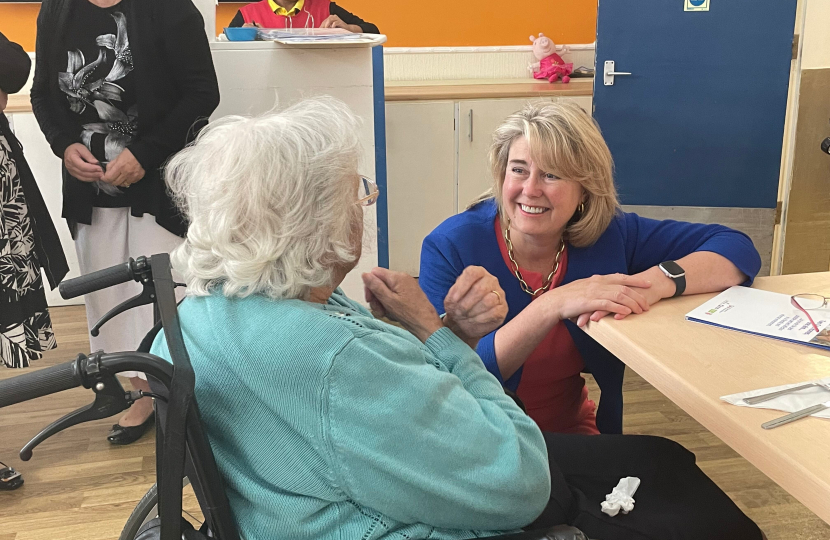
<point x="328" y="422"/>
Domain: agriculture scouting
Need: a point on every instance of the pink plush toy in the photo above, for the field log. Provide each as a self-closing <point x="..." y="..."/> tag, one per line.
<point x="550" y="65"/>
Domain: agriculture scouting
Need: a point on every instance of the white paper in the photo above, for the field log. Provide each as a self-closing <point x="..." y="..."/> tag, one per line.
<point x="792" y="402"/>
<point x="764" y="313"/>
<point x="310" y="35"/>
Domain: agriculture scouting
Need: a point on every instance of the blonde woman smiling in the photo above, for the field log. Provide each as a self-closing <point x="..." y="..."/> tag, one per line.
<point x="553" y="234"/>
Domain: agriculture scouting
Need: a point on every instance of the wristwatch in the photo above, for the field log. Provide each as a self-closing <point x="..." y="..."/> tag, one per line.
<point x="675" y="273"/>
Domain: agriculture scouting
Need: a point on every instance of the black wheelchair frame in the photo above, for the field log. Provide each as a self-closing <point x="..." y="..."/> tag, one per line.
<point x="182" y="447"/>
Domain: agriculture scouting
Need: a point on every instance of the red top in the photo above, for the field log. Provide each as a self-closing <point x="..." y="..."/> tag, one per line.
<point x="552" y="387"/>
<point x="312" y="15"/>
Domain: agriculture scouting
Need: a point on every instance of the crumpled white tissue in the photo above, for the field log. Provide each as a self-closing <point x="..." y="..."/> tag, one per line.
<point x="621" y="497"/>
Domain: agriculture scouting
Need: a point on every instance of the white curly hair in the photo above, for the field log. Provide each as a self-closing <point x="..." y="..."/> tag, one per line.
<point x="270" y="200"/>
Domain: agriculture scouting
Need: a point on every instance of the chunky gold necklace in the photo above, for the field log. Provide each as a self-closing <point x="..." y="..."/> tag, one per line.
<point x="548" y="280"/>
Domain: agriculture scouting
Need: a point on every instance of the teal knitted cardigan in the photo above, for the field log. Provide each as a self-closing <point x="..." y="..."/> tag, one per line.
<point x="327" y="423"/>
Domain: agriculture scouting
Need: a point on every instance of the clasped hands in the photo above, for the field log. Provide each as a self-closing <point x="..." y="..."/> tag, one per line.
<point x="475" y="305"/>
<point x="123" y="171"/>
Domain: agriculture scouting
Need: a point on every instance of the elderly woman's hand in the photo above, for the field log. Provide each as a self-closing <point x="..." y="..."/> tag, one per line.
<point x="475" y="305"/>
<point x="397" y="296"/>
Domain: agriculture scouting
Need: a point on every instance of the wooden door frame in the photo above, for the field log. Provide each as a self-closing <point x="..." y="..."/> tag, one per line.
<point x="788" y="148"/>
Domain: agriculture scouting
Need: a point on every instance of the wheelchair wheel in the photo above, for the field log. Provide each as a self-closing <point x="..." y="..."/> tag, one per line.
<point x="144" y="511"/>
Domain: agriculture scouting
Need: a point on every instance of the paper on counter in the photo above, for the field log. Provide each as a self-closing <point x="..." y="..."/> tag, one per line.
<point x="764" y="313"/>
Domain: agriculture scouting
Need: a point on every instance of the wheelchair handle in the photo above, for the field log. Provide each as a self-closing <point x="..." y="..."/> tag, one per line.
<point x="131" y="270"/>
<point x="40" y="383"/>
<point x="84" y="371"/>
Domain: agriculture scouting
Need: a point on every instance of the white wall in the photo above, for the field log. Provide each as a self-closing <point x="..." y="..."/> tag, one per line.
<point x="208" y="10"/>
<point x="816" y="48"/>
<point x="462" y="63"/>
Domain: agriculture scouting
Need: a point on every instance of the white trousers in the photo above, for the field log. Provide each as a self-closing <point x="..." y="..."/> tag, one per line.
<point x="114" y="237"/>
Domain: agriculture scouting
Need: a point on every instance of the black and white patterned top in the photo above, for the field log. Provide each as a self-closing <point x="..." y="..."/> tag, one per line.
<point x="25" y="328"/>
<point x="99" y="88"/>
<point x="19" y="270"/>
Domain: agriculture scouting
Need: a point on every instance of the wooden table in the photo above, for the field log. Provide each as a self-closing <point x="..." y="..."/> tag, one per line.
<point x="694" y="364"/>
<point x="19" y="103"/>
<point x="531" y="88"/>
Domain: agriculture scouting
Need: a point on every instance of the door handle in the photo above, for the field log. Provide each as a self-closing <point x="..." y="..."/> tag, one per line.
<point x="608" y="73"/>
<point x="470" y="135"/>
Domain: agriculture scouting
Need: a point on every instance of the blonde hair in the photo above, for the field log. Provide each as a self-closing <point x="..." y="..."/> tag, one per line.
<point x="270" y="200"/>
<point x="565" y="141"/>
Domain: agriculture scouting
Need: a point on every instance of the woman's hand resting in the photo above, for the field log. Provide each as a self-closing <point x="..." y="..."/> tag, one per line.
<point x="81" y="164"/>
<point x="585" y="298"/>
<point x="398" y="297"/>
<point x="124" y="170"/>
<point x="475" y="305"/>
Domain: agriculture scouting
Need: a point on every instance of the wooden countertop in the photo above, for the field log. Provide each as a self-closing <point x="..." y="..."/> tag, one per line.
<point x="18" y="103"/>
<point x="434" y="90"/>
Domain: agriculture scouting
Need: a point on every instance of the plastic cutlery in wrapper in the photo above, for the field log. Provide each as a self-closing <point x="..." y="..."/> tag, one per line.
<point x="754" y="400"/>
<point x="789" y="398"/>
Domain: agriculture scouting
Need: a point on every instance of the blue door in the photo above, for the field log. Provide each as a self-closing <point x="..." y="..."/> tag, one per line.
<point x="700" y="119"/>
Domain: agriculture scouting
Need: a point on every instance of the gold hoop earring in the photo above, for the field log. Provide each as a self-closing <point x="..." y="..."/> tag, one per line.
<point x="578" y="213"/>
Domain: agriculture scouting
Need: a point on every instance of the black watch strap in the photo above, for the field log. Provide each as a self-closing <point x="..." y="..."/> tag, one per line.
<point x="674" y="272"/>
<point x="680" y="284"/>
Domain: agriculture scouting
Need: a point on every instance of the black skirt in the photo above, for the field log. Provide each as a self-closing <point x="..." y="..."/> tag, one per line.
<point x="675" y="500"/>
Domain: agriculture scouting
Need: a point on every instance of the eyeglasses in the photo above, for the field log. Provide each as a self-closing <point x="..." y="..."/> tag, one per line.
<point x="809" y="301"/>
<point x="367" y="192"/>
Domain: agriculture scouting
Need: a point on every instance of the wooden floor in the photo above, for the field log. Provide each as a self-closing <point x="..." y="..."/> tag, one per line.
<point x="78" y="486"/>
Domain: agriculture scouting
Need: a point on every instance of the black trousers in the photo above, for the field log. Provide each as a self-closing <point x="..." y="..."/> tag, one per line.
<point x="675" y="500"/>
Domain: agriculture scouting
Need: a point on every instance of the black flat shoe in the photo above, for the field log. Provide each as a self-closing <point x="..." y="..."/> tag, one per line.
<point x="126" y="435"/>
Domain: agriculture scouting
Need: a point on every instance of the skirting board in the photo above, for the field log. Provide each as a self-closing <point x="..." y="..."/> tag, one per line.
<point x="757" y="223"/>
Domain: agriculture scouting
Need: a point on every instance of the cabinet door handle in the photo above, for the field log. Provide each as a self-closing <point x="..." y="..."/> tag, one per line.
<point x="471" y="125"/>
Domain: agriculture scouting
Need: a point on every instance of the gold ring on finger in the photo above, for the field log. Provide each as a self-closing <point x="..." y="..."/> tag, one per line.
<point x="497" y="296"/>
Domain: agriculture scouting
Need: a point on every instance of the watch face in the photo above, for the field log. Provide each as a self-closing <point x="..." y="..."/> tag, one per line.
<point x="673" y="268"/>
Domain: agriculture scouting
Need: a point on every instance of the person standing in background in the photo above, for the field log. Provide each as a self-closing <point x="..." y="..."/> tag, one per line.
<point x="28" y="239"/>
<point x="301" y="14"/>
<point x="120" y="86"/>
<point x="28" y="242"/>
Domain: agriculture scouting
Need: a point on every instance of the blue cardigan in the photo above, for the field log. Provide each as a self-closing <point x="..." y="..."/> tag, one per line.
<point x="631" y="244"/>
<point x="328" y="424"/>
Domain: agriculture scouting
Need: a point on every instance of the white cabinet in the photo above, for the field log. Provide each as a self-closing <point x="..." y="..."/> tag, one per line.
<point x="437" y="164"/>
<point x="420" y="162"/>
<point x="586" y="102"/>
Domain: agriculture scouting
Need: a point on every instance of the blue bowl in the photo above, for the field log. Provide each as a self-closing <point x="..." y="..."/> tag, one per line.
<point x="247" y="33"/>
